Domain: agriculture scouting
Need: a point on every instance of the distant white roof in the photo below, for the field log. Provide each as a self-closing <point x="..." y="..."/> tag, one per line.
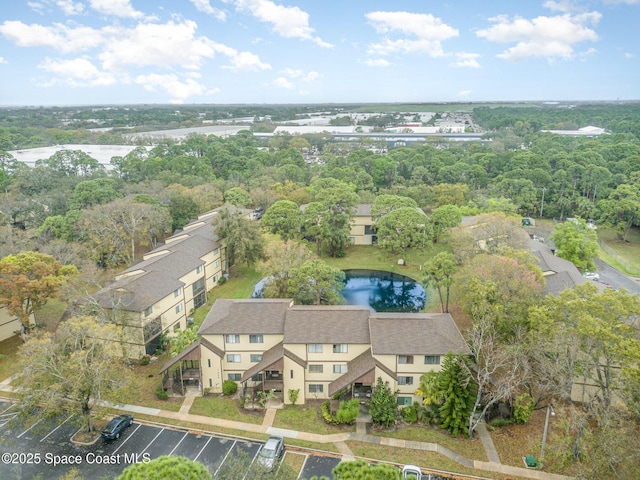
<point x="302" y="129"/>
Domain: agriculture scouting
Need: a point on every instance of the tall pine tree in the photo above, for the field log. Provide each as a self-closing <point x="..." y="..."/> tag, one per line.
<point x="457" y="390"/>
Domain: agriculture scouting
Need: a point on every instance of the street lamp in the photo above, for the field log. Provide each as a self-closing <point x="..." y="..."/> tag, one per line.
<point x="551" y="412"/>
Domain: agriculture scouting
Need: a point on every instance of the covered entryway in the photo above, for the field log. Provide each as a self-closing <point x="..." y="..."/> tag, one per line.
<point x="183" y="373"/>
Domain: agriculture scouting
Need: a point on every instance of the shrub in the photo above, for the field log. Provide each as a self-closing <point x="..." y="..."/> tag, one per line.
<point x="229" y="387"/>
<point x="222" y="280"/>
<point x="161" y="394"/>
<point x="325" y="410"/>
<point x="293" y="395"/>
<point x="500" y="422"/>
<point x="145" y="359"/>
<point x="409" y="414"/>
<point x="348" y="412"/>
<point x="523" y="408"/>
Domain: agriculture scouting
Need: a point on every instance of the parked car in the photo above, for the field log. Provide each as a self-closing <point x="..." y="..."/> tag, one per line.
<point x="591" y="276"/>
<point x="271" y="452"/>
<point x="412" y="472"/>
<point x="116" y="426"/>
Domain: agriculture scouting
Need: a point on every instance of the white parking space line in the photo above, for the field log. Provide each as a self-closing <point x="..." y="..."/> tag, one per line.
<point x="225" y="458"/>
<point x="47" y="436"/>
<point x="306" y="457"/>
<point x="20" y="436"/>
<point x="126" y="439"/>
<point x="178" y="444"/>
<point x="154" y="439"/>
<point x="201" y="450"/>
<point x="7" y="409"/>
<point x="9" y="417"/>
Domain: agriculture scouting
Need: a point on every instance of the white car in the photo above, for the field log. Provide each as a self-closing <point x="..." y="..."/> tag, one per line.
<point x="591" y="276"/>
<point x="271" y="452"/>
<point x="412" y="472"/>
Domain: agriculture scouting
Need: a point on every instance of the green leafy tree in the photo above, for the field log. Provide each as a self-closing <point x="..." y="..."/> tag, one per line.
<point x="316" y="283"/>
<point x="182" y="208"/>
<point x="283" y="218"/>
<point x="238" y="197"/>
<point x="576" y="242"/>
<point x="183" y="340"/>
<point x="457" y="390"/>
<point x="282" y="258"/>
<point x="439" y="272"/>
<point x="166" y="466"/>
<point x="94" y="192"/>
<point x="386" y="203"/>
<point x="240" y="236"/>
<point x="383" y="406"/>
<point x="444" y="218"/>
<point x="28" y="280"/>
<point x="403" y="228"/>
<point x="622" y="208"/>
<point x="82" y="363"/>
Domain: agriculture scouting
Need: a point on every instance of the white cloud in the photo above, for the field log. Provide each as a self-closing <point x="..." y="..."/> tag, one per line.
<point x="69" y="7"/>
<point x="629" y="55"/>
<point x="288" y="22"/>
<point x="418" y="32"/>
<point x="116" y="8"/>
<point x="169" y="44"/>
<point x="628" y="2"/>
<point x="377" y="62"/>
<point x="549" y="37"/>
<point x="204" y="6"/>
<point x="58" y="36"/>
<point x="2" y="60"/>
<point x="311" y="76"/>
<point x="245" y="62"/>
<point x="468" y="60"/>
<point x="77" y="72"/>
<point x="464" y="94"/>
<point x="283" y="83"/>
<point x="178" y="90"/>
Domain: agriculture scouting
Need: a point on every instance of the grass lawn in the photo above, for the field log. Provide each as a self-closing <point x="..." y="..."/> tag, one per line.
<point x="227" y="408"/>
<point x="146" y="380"/>
<point x="8" y="349"/>
<point x="624" y="256"/>
<point x="470" y="448"/>
<point x="305" y="418"/>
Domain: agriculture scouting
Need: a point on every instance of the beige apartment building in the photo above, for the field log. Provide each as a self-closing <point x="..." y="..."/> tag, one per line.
<point x="272" y="344"/>
<point x="159" y="293"/>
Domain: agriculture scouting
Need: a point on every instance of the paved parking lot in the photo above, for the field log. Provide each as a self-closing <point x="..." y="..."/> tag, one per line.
<point x="45" y="449"/>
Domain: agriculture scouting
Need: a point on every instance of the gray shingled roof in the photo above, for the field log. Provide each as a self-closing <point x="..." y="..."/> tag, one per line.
<point x="175" y="263"/>
<point x="559" y="274"/>
<point x="327" y="324"/>
<point x="415" y="334"/>
<point x="137" y="292"/>
<point x="245" y="316"/>
<point x="356" y="368"/>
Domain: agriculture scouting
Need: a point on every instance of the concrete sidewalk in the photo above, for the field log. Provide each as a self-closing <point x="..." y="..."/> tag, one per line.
<point x="338" y="439"/>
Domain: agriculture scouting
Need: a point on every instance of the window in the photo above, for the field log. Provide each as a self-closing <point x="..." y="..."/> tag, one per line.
<point x="199" y="269"/>
<point x="210" y="383"/>
<point x="404" y="401"/>
<point x="232" y="338"/>
<point x="314" y="348"/>
<point x="257" y="377"/>
<point x="216" y="263"/>
<point x="177" y="292"/>
<point x="148" y="311"/>
<point x="316" y="388"/>
<point x="405" y="359"/>
<point x="176" y="327"/>
<point x="199" y="293"/>
<point x="405" y="380"/>
<point x="209" y="362"/>
<point x="340" y="348"/>
<point x="216" y="251"/>
<point x="315" y="368"/>
<point x="342" y="368"/>
<point x="233" y="358"/>
<point x="178" y="308"/>
<point x="256" y="339"/>
<point x="352" y="240"/>
<point x="432" y="359"/>
<point x="256" y="357"/>
<point x="234" y="376"/>
<point x="369" y="230"/>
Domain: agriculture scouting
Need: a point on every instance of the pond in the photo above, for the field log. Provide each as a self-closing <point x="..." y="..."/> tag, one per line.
<point x="380" y="291"/>
<point x="383" y="291"/>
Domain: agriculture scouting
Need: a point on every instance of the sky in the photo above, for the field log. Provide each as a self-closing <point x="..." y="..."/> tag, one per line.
<point x="97" y="52"/>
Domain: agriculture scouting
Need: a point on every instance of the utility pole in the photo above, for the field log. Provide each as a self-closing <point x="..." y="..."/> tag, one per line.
<point x="544" y="434"/>
<point x="542" y="203"/>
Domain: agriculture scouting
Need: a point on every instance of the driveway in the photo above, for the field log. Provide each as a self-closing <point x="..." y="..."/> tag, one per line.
<point x="45" y="449"/>
<point x="617" y="280"/>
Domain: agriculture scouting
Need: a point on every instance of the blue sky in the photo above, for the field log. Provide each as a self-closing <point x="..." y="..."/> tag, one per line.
<point x="80" y="52"/>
